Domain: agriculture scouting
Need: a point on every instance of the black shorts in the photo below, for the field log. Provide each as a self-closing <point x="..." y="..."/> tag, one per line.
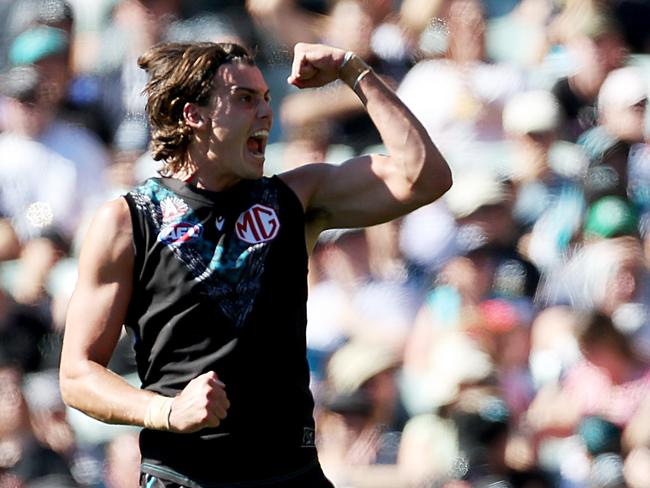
<point x="312" y="477"/>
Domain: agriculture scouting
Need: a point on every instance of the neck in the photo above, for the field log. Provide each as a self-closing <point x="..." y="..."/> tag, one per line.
<point x="204" y="176"/>
<point x="206" y="182"/>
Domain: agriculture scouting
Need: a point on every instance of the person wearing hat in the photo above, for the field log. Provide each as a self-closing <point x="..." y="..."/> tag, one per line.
<point x="39" y="60"/>
<point x="612" y="145"/>
<point x="360" y="412"/>
<point x="52" y="193"/>
<point x="548" y="200"/>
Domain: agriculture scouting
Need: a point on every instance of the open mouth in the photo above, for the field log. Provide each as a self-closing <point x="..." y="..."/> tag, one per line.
<point x="256" y="143"/>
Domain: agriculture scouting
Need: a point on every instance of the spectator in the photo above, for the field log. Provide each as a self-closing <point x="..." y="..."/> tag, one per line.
<point x="32" y="457"/>
<point x="622" y="104"/>
<point x="460" y="97"/>
<point x="549" y="203"/>
<point x="595" y="47"/>
<point x="354" y="293"/>
<point x="46" y="49"/>
<point x="27" y="340"/>
<point x="611" y="381"/>
<point x="316" y="119"/>
<point x="554" y="348"/>
<point x="360" y="414"/>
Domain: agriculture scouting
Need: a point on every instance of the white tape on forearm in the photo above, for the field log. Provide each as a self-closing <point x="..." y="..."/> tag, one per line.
<point x="158" y="413"/>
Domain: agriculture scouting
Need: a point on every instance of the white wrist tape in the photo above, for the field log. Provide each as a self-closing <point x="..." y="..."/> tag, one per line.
<point x="353" y="69"/>
<point x="158" y="413"/>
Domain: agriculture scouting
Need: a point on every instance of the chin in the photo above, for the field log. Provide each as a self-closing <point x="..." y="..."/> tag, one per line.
<point x="256" y="167"/>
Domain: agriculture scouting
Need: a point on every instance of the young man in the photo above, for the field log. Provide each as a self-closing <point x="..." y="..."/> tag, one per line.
<point x="207" y="267"/>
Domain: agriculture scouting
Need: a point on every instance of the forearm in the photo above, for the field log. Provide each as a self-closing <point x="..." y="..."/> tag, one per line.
<point x="412" y="153"/>
<point x="104" y="395"/>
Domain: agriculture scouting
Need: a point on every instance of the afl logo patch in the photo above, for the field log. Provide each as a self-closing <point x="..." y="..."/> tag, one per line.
<point x="257" y="224"/>
<point x="179" y="233"/>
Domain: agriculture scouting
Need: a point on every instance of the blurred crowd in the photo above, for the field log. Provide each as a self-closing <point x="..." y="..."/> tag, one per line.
<point x="498" y="337"/>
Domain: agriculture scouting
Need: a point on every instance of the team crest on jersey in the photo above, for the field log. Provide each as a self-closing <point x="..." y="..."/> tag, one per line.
<point x="172" y="209"/>
<point x="179" y="233"/>
<point x="257" y="224"/>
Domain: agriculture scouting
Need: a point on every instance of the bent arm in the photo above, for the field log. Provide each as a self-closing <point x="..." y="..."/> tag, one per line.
<point x="373" y="188"/>
<point x="95" y="316"/>
<point x="94" y="321"/>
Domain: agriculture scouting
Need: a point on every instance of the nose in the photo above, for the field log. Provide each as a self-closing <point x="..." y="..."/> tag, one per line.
<point x="264" y="110"/>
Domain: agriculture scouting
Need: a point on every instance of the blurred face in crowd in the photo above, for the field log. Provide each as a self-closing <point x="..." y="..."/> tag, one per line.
<point x="237" y="121"/>
<point x="626" y="122"/>
<point x="28" y="118"/>
<point x="597" y="56"/>
<point x="56" y="76"/>
<point x="350" y="27"/>
<point x="494" y="220"/>
<point x="623" y="283"/>
<point x="610" y="51"/>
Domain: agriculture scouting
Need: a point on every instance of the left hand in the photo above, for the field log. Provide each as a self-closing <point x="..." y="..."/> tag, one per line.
<point x="315" y="65"/>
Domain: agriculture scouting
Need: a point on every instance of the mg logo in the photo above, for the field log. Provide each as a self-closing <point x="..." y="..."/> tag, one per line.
<point x="179" y="233"/>
<point x="257" y="224"/>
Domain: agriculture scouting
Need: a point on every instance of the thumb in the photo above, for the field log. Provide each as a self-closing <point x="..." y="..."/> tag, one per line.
<point x="212" y="378"/>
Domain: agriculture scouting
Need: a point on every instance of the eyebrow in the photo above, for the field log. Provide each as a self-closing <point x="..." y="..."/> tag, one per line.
<point x="252" y="91"/>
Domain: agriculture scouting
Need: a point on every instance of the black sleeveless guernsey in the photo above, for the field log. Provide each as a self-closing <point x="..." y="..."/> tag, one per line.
<point x="220" y="284"/>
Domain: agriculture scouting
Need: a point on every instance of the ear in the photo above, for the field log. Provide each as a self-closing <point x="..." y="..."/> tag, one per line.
<point x="193" y="116"/>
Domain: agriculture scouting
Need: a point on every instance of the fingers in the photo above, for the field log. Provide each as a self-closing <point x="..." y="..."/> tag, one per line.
<point x="218" y="402"/>
<point x="305" y="67"/>
<point x="315" y="65"/>
<point x="216" y="407"/>
<point x="301" y="69"/>
<point x="202" y="403"/>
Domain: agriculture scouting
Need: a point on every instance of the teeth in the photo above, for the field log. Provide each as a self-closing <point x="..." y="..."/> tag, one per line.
<point x="261" y="133"/>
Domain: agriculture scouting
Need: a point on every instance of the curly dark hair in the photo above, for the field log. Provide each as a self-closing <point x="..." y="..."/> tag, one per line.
<point x="180" y="73"/>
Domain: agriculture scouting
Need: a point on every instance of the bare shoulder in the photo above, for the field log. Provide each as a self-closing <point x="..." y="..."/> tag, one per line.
<point x="109" y="238"/>
<point x="115" y="214"/>
<point x="305" y="180"/>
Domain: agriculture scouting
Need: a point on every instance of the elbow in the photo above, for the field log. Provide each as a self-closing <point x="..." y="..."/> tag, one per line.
<point x="67" y="390"/>
<point x="69" y="386"/>
<point x="446" y="180"/>
<point x="434" y="181"/>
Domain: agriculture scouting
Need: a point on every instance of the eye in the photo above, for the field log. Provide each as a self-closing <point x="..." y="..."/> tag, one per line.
<point x="246" y="98"/>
